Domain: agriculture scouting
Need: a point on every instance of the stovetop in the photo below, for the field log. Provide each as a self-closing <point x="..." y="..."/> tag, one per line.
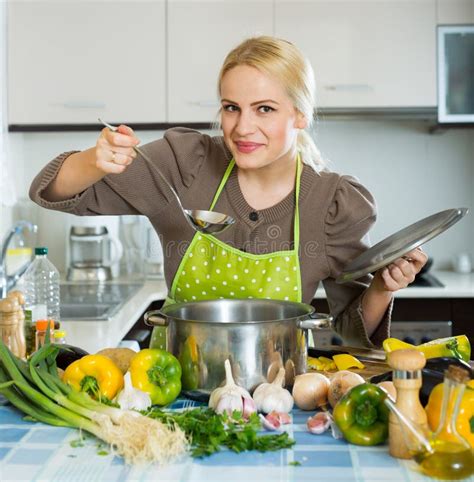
<point x="426" y="280"/>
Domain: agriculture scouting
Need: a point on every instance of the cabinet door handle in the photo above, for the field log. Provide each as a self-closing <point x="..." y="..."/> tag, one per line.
<point x="203" y="103"/>
<point x="81" y="105"/>
<point x="349" y="87"/>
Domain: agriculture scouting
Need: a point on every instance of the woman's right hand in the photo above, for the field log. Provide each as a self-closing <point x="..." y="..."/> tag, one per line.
<point x="114" y="149"/>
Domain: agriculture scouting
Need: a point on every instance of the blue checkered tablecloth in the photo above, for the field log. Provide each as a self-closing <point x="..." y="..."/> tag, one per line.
<point x="37" y="452"/>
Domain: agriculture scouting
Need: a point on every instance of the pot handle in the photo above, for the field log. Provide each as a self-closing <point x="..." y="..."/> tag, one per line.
<point x="155" y="318"/>
<point x="316" y="321"/>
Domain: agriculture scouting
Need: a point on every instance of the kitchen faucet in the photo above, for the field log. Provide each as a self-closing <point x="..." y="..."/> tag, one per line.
<point x="8" y="282"/>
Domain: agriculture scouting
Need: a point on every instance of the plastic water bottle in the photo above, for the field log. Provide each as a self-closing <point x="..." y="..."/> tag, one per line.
<point x="40" y="285"/>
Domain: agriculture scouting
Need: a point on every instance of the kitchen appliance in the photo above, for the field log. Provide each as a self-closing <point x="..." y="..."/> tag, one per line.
<point x="258" y="336"/>
<point x="455" y="74"/>
<point x="92" y="253"/>
<point x="400" y="243"/>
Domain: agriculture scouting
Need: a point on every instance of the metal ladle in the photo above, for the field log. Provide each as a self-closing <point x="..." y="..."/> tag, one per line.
<point x="208" y="222"/>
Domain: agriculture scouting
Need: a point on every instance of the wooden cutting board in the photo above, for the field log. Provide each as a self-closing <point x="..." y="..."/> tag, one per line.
<point x="370" y="369"/>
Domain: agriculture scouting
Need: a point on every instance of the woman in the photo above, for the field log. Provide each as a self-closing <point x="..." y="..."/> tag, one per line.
<point x="296" y="223"/>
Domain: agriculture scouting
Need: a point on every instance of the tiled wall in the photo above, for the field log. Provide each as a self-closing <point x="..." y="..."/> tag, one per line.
<point x="411" y="172"/>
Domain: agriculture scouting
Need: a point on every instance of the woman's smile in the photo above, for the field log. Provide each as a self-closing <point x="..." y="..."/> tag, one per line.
<point x="247" y="147"/>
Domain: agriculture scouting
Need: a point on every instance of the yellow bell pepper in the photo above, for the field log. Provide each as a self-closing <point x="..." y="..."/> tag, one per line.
<point x="97" y="375"/>
<point x="453" y="346"/>
<point x="465" y="421"/>
<point x="345" y="361"/>
<point x="321" y="363"/>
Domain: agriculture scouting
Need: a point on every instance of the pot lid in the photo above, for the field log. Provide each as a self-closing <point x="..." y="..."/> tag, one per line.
<point x="400" y="243"/>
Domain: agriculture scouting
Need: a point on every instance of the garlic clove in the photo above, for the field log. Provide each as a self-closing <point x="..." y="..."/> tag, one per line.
<point x="283" y="417"/>
<point x="319" y="423"/>
<point x="270" y="422"/>
<point x="248" y="407"/>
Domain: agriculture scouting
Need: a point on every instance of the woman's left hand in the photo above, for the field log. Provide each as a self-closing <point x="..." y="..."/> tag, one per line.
<point x="402" y="271"/>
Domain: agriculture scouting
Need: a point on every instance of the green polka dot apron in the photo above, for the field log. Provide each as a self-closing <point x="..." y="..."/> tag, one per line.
<point x="211" y="269"/>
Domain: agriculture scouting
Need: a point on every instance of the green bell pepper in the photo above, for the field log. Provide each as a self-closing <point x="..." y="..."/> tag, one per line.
<point x="362" y="415"/>
<point x="157" y="373"/>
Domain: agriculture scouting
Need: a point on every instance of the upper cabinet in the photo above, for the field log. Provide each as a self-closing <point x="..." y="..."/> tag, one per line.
<point x="455" y="12"/>
<point x="200" y="34"/>
<point x="365" y="53"/>
<point x="157" y="61"/>
<point x="72" y="61"/>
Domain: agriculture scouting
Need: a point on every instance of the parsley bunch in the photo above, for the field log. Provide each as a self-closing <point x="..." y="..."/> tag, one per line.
<point x="208" y="431"/>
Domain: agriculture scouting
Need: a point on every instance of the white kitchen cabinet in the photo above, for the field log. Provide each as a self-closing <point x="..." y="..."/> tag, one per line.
<point x="454" y="12"/>
<point x="365" y="53"/>
<point x="200" y="34"/>
<point x="72" y="61"/>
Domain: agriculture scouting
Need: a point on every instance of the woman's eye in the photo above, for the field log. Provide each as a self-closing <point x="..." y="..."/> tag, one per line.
<point x="230" y="108"/>
<point x="266" y="109"/>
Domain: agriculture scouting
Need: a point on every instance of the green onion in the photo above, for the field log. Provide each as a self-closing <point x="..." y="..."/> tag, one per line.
<point x="35" y="388"/>
<point x="19" y="402"/>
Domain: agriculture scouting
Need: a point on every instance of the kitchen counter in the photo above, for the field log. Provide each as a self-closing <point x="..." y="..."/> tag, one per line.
<point x="95" y="335"/>
<point x="33" y="451"/>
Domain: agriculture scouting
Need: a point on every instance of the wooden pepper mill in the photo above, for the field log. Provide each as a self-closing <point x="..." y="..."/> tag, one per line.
<point x="11" y="326"/>
<point x="406" y="365"/>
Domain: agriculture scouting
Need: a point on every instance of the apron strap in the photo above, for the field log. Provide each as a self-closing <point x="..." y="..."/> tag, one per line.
<point x="222" y="184"/>
<point x="296" y="230"/>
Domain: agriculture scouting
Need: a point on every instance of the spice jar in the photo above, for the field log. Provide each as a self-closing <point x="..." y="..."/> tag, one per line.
<point x="11" y="328"/>
<point x="42" y="326"/>
<point x="59" y="337"/>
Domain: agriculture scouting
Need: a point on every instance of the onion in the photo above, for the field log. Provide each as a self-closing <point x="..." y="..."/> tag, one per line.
<point x="389" y="387"/>
<point x="342" y="382"/>
<point x="310" y="390"/>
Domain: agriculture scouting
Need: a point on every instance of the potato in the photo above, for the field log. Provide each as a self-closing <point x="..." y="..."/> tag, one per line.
<point x="120" y="356"/>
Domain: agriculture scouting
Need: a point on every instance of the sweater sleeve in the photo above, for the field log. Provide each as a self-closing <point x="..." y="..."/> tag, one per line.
<point x="350" y="216"/>
<point x="139" y="189"/>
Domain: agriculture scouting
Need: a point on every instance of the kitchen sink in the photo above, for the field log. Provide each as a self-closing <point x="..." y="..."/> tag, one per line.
<point x="71" y="311"/>
<point x="94" y="301"/>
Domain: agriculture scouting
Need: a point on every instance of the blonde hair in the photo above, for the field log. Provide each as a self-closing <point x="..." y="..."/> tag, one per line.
<point x="283" y="61"/>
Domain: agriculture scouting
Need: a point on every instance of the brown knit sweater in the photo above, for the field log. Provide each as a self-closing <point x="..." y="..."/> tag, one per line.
<point x="336" y="212"/>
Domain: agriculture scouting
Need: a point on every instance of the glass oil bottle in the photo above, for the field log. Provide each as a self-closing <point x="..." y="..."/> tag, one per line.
<point x="451" y="456"/>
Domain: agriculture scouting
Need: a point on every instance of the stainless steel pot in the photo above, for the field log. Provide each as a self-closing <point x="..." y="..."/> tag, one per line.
<point x="258" y="336"/>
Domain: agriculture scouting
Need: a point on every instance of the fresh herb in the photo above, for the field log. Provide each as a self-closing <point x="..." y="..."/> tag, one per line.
<point x="102" y="452"/>
<point x="208" y="431"/>
<point x="295" y="463"/>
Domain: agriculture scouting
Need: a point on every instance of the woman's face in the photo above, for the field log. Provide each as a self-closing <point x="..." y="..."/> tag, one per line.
<point x="259" y="120"/>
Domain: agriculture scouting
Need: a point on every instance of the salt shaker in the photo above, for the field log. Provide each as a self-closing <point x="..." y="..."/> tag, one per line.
<point x="407" y="365"/>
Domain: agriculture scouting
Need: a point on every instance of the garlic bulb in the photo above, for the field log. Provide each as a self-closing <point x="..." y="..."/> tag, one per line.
<point x="131" y="397"/>
<point x="271" y="397"/>
<point x="231" y="397"/>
